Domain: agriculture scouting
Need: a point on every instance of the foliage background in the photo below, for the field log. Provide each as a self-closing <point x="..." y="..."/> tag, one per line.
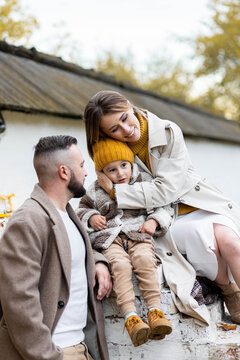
<point x="213" y="83"/>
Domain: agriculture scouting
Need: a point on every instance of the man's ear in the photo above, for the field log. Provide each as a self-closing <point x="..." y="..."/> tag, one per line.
<point x="63" y="172"/>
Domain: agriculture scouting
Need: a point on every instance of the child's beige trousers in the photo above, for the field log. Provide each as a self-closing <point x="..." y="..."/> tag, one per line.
<point x="141" y="259"/>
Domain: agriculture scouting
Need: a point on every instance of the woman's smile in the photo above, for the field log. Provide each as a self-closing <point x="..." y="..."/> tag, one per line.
<point x="132" y="133"/>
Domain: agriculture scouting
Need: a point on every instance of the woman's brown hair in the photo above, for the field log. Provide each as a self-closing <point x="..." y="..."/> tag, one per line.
<point x="102" y="103"/>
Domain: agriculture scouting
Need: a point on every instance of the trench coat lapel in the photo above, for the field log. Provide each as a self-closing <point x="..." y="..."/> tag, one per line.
<point x="141" y="164"/>
<point x="156" y="131"/>
<point x="58" y="228"/>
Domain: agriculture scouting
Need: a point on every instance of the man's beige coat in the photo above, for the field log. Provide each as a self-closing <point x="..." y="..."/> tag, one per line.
<point x="35" y="270"/>
<point x="174" y="181"/>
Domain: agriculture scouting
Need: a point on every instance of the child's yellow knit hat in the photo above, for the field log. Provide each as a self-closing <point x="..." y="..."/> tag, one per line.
<point x="107" y="150"/>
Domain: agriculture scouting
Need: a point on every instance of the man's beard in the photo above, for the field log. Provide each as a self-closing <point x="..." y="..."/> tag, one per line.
<point x="76" y="188"/>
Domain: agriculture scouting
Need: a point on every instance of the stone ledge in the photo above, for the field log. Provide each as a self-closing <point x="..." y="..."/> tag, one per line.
<point x="187" y="341"/>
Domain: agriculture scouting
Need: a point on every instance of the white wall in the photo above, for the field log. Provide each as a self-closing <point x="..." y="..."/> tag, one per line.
<point x="23" y="131"/>
<point x="219" y="163"/>
<point x="216" y="161"/>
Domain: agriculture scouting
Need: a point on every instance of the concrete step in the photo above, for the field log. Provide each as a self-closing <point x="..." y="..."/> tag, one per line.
<point x="187" y="340"/>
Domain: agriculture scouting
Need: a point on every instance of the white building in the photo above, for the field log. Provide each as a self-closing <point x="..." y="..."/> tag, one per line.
<point x="42" y="95"/>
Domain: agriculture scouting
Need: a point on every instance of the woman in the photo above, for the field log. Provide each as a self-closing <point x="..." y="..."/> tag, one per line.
<point x="207" y="224"/>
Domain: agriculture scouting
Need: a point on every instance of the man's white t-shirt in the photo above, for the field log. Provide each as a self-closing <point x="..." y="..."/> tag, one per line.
<point x="69" y="330"/>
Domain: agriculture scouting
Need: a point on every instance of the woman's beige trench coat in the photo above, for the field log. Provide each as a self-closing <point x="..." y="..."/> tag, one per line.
<point x="174" y="181"/>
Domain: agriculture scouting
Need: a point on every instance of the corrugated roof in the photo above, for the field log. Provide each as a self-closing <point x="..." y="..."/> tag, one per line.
<point x="34" y="82"/>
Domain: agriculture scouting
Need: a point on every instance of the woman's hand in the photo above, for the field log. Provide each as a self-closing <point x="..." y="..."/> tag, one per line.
<point x="104" y="181"/>
<point x="98" y="222"/>
<point x="149" y="227"/>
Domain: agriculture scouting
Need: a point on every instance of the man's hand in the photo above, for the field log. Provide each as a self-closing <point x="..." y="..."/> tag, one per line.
<point x="98" y="222"/>
<point x="104" y="182"/>
<point x="103" y="277"/>
<point x="149" y="227"/>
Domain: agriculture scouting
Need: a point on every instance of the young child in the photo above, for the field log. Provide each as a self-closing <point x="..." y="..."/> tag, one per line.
<point x="125" y="239"/>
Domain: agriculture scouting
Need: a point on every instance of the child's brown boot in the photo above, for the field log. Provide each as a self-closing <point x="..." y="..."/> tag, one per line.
<point x="231" y="297"/>
<point x="137" y="329"/>
<point x="159" y="325"/>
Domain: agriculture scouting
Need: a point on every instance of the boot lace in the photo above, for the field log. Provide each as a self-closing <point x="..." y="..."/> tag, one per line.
<point x="131" y="322"/>
<point x="156" y="314"/>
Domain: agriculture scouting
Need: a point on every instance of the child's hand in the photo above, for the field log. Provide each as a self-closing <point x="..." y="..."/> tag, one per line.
<point x="98" y="222"/>
<point x="149" y="227"/>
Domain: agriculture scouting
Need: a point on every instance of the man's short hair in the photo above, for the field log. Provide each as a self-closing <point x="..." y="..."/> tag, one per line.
<point x="51" y="144"/>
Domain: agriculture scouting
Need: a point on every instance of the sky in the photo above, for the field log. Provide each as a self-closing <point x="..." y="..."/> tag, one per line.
<point x="145" y="29"/>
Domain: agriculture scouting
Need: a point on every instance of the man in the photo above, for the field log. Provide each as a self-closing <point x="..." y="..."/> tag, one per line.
<point x="47" y="268"/>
